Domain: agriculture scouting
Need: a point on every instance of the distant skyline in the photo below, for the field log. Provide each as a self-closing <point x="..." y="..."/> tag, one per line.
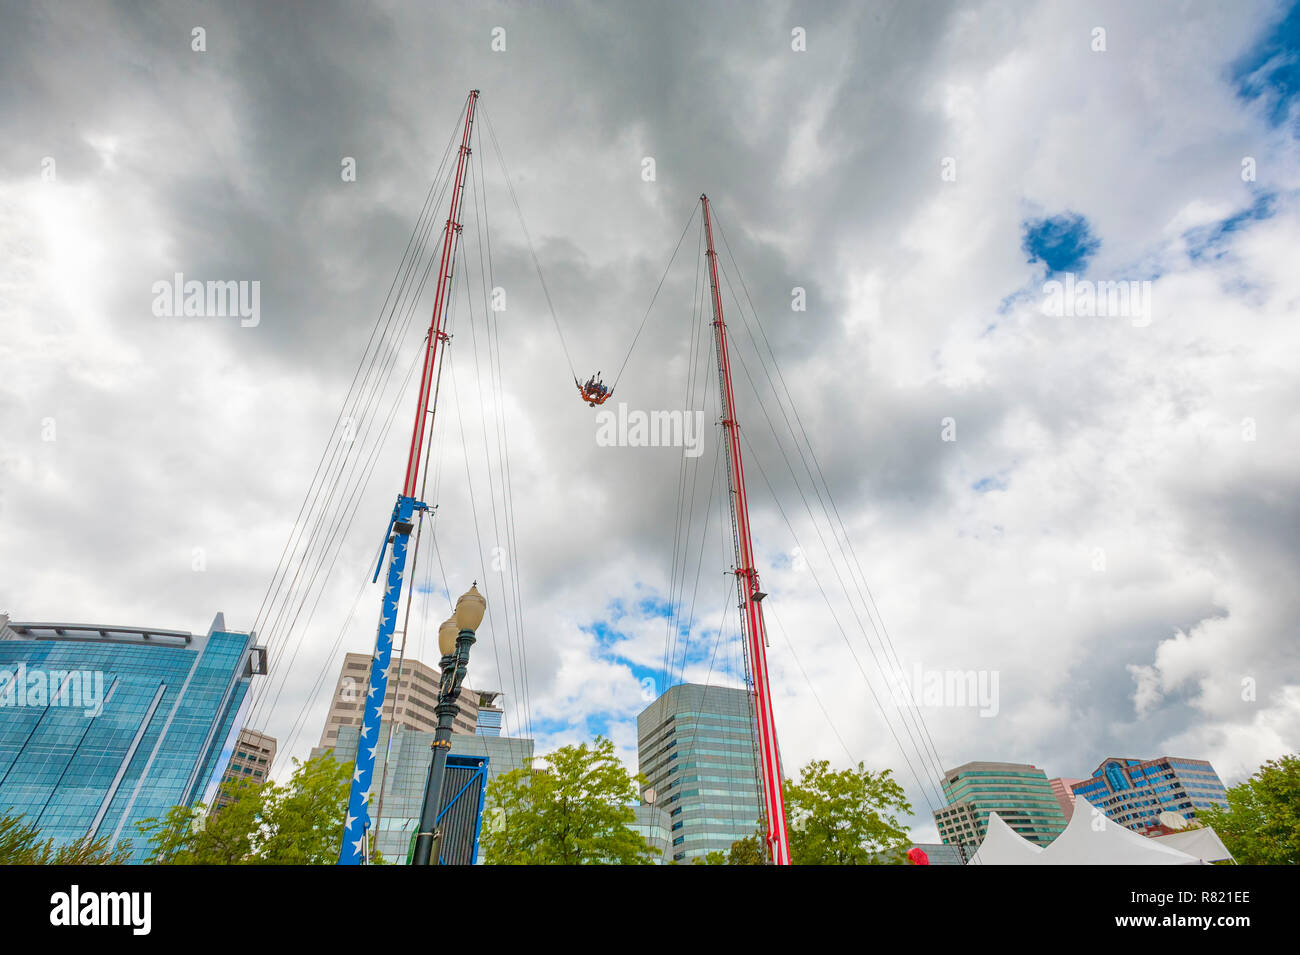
<point x="1082" y="498"/>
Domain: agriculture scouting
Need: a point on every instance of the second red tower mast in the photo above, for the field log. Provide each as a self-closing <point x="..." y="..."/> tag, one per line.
<point x="747" y="580"/>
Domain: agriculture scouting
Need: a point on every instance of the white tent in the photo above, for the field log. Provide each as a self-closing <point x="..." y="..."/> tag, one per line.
<point x="1203" y="843"/>
<point x="1090" y="838"/>
<point x="1004" y="846"/>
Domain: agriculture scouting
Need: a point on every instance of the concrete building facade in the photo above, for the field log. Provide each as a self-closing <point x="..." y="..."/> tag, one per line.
<point x="410" y="702"/>
<point x="1064" y="794"/>
<point x="251" y="758"/>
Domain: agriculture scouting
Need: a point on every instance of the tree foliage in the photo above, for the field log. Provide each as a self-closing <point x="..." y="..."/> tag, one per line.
<point x="305" y="817"/>
<point x="846" y="818"/>
<point x="578" y="811"/>
<point x="1261" y="825"/>
<point x="21" y="844"/>
<point x="299" y="823"/>
<point x="751" y="850"/>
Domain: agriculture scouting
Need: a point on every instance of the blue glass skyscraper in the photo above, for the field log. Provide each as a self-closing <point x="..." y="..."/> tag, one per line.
<point x="1135" y="792"/>
<point x="101" y="727"/>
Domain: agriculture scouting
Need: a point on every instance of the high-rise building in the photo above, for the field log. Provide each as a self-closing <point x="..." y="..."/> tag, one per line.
<point x="1135" y="792"/>
<point x="404" y="770"/>
<point x="410" y="701"/>
<point x="652" y="824"/>
<point x="251" y="758"/>
<point x="490" y="715"/>
<point x="1064" y="794"/>
<point x="104" y="726"/>
<point x="959" y="825"/>
<point x="696" y="749"/>
<point x="1017" y="792"/>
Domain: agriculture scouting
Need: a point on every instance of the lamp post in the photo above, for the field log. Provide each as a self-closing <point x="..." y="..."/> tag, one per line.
<point x="455" y="637"/>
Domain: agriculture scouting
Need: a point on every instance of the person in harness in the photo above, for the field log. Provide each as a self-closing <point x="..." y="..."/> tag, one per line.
<point x="594" y="392"/>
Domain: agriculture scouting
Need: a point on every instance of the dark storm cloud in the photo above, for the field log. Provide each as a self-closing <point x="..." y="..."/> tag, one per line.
<point x="824" y="170"/>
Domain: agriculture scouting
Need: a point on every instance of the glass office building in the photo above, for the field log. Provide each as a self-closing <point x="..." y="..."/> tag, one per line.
<point x="101" y="727"/>
<point x="1018" y="792"/>
<point x="696" y="748"/>
<point x="652" y="825"/>
<point x="1135" y="792"/>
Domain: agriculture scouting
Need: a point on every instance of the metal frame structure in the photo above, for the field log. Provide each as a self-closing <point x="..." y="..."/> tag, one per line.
<point x="473" y="787"/>
<point x="475" y="791"/>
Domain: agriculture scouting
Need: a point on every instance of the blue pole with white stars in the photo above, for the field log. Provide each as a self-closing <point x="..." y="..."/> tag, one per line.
<point x="356" y="827"/>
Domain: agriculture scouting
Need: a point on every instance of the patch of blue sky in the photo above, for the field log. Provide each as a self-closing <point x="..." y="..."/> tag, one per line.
<point x="1209" y="242"/>
<point x="432" y="589"/>
<point x="707" y="649"/>
<point x="781" y="560"/>
<point x="1269" y="72"/>
<point x="586" y="725"/>
<point x="1063" y="242"/>
<point x="608" y="640"/>
<point x="654" y="607"/>
<point x="1029" y="294"/>
<point x="650" y="606"/>
<point x="991" y="483"/>
<point x="698" y="650"/>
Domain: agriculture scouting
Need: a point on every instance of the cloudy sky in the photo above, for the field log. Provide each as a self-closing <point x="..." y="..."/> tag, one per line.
<point x="1095" y="506"/>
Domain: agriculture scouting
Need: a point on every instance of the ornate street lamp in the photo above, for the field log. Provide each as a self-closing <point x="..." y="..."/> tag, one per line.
<point x="455" y="637"/>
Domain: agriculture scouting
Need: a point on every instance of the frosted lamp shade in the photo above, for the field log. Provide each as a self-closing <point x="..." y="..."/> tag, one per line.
<point x="470" y="609"/>
<point x="447" y="636"/>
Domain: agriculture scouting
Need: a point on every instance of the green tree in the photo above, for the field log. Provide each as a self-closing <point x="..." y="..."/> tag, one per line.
<point x="846" y="818"/>
<point x="576" y="812"/>
<point x="1261" y="825"/>
<point x="21" y="844"/>
<point x="188" y="835"/>
<point x="751" y="850"/>
<point x="300" y="823"/>
<point x="304" y="820"/>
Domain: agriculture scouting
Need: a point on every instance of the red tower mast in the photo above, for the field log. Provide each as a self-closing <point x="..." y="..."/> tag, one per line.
<point x="450" y="237"/>
<point x="747" y="580"/>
